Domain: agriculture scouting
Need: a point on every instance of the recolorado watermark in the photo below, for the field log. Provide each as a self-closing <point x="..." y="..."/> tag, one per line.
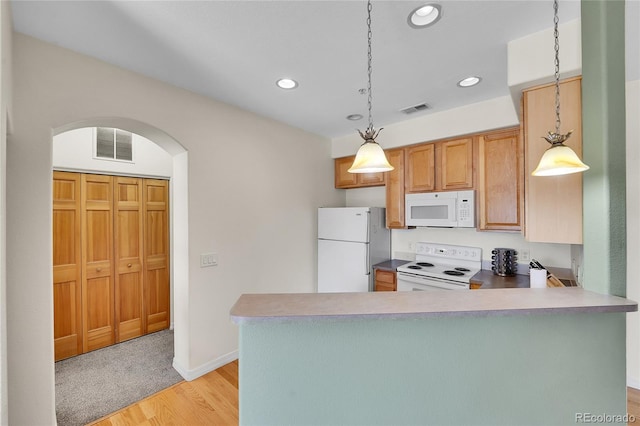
<point x="604" y="418"/>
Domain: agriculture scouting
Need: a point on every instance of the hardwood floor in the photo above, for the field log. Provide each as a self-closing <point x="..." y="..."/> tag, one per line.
<point x="213" y="400"/>
<point x="208" y="400"/>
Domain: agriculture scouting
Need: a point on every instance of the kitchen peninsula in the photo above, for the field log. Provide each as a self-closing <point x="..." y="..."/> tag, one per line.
<point x="506" y="356"/>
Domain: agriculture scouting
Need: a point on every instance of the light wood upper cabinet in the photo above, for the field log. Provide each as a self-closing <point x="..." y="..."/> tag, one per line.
<point x="500" y="181"/>
<point x="344" y="179"/>
<point x="456" y="164"/>
<point x="394" y="187"/>
<point x="420" y="169"/>
<point x="553" y="210"/>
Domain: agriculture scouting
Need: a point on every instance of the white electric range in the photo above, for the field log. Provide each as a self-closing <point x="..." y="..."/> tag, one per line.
<point x="440" y="267"/>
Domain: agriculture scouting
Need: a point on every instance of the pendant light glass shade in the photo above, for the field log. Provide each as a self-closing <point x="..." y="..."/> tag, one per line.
<point x="559" y="160"/>
<point x="370" y="159"/>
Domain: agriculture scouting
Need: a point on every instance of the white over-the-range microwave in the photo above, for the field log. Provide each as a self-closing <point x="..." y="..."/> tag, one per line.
<point x="453" y="209"/>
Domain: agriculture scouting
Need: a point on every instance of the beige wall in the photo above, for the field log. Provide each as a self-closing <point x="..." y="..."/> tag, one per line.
<point x="253" y="189"/>
<point x="5" y="109"/>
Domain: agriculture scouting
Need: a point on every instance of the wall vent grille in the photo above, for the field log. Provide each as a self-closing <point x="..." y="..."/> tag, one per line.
<point x="114" y="144"/>
<point x="415" y="108"/>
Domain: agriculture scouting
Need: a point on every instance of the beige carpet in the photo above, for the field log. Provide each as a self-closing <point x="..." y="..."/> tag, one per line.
<point x="97" y="383"/>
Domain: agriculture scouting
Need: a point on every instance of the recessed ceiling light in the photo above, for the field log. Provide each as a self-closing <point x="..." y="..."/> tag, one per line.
<point x="287" y="83"/>
<point x="354" y="117"/>
<point x="425" y="16"/>
<point x="469" y="81"/>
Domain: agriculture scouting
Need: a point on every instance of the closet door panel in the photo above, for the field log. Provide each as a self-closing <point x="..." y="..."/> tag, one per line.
<point x="67" y="265"/>
<point x="156" y="259"/>
<point x="97" y="271"/>
<point x="128" y="255"/>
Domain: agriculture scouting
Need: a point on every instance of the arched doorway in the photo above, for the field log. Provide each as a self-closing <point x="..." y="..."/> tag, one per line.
<point x="178" y="216"/>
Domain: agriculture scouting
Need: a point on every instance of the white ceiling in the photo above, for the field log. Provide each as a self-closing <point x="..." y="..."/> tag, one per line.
<point x="234" y="51"/>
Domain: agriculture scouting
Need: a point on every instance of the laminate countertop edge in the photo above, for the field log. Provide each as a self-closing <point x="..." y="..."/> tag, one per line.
<point x="257" y="308"/>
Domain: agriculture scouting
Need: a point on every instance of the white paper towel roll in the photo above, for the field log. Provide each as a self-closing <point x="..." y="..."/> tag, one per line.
<point x="537" y="278"/>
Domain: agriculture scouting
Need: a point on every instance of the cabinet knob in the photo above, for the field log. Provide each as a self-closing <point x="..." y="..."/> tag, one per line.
<point x="98" y="269"/>
<point x="129" y="265"/>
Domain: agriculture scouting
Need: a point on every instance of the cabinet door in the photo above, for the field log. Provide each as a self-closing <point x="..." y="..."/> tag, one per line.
<point x="156" y="253"/>
<point x="553" y="204"/>
<point x="97" y="265"/>
<point x="385" y="280"/>
<point x="128" y="258"/>
<point x="344" y="179"/>
<point x="67" y="265"/>
<point x="500" y="181"/>
<point x="457" y="164"/>
<point x="420" y="168"/>
<point x="395" y="189"/>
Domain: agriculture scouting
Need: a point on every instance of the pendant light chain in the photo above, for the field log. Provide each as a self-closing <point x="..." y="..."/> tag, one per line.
<point x="557" y="63"/>
<point x="369" y="98"/>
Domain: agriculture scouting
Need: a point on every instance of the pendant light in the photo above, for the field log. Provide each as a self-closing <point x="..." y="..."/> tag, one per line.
<point x="559" y="159"/>
<point x="370" y="157"/>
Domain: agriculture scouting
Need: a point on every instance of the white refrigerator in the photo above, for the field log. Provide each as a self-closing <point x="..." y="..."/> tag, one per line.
<point x="350" y="241"/>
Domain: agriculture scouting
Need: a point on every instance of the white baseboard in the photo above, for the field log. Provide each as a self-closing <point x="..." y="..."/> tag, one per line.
<point x="633" y="383"/>
<point x="205" y="368"/>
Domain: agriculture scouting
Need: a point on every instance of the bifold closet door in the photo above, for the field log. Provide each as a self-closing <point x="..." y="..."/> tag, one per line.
<point x="97" y="262"/>
<point x="129" y="306"/>
<point x="156" y="257"/>
<point x="67" y="259"/>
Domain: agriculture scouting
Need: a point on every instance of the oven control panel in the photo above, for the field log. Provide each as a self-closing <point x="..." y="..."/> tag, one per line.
<point x="449" y="251"/>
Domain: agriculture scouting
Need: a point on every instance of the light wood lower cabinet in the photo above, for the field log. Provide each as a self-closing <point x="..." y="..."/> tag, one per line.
<point x="500" y="181"/>
<point x="385" y="281"/>
<point x="110" y="260"/>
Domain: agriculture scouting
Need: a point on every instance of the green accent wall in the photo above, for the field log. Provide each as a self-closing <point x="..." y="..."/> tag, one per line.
<point x="603" y="129"/>
<point x="495" y="370"/>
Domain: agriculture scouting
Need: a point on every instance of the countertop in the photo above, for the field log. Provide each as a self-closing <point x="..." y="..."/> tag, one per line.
<point x="390" y="265"/>
<point x="387" y="305"/>
<point x="488" y="280"/>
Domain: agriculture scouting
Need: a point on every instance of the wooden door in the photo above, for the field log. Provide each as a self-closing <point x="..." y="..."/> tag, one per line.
<point x="67" y="265"/>
<point x="128" y="245"/>
<point x="457" y="164"/>
<point x="156" y="253"/>
<point x="420" y="168"/>
<point x="394" y="188"/>
<point x="500" y="186"/>
<point x="97" y="262"/>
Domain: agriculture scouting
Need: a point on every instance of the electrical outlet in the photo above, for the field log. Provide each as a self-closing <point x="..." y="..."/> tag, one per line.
<point x="412" y="247"/>
<point x="524" y="255"/>
<point x="208" y="259"/>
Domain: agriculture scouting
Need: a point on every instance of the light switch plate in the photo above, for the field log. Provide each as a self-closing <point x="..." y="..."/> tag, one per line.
<point x="208" y="259"/>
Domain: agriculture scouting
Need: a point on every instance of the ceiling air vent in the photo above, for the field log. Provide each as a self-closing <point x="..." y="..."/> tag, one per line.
<point x="415" y="108"/>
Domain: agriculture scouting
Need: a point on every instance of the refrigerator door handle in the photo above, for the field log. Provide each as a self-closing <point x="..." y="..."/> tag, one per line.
<point x="367" y="266"/>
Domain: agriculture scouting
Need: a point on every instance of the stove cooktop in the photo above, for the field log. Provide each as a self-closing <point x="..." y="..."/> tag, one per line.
<point x="445" y="262"/>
